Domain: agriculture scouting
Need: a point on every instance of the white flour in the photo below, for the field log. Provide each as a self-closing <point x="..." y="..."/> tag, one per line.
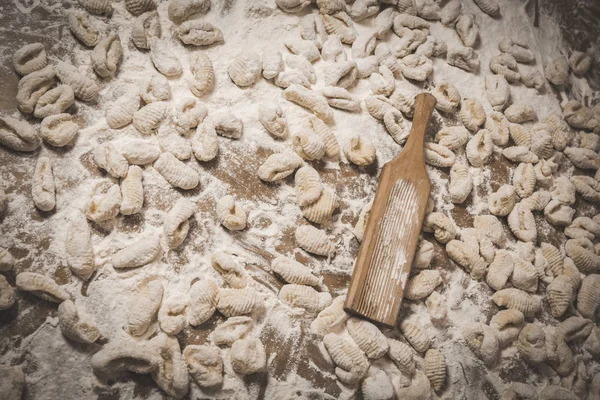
<point x="56" y="368"/>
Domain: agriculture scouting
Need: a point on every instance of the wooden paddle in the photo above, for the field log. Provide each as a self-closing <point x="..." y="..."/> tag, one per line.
<point x="390" y="239"/>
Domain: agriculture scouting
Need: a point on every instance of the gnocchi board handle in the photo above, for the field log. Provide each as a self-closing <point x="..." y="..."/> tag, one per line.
<point x="390" y="239"/>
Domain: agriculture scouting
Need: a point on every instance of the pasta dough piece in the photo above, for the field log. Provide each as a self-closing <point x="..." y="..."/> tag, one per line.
<point x="537" y="201"/>
<point x="498" y="91"/>
<point x="107" y="55"/>
<point x="367" y="337"/>
<point x="164" y="60"/>
<point x="29" y="58"/>
<point x="351" y="363"/>
<point x="479" y="149"/>
<point x="83" y="27"/>
<point x="332" y="148"/>
<point x="472" y="114"/>
<point x="386" y="58"/>
<point x="588" y="297"/>
<point x="404" y="103"/>
<point x="524" y="275"/>
<point x="181" y="10"/>
<point x="482" y="340"/>
<point x="132" y="191"/>
<point x="104" y="203"/>
<point x="435" y="368"/>
<point x="199" y="33"/>
<point x="313" y="101"/>
<point x="587" y="187"/>
<point x="107" y="157"/>
<point x="97" y="7"/>
<point x="203" y="74"/>
<point x="43" y="188"/>
<point x="428" y="9"/>
<point x="467" y="257"/>
<point x="415" y="335"/>
<point x="557" y="71"/>
<point x="505" y="64"/>
<point x="312" y="28"/>
<point x="31" y="87"/>
<point x="303" y="65"/>
<point x="498" y="126"/>
<point x="450" y="12"/>
<point x="136" y="7"/>
<point x="423" y="254"/>
<point x="524" y="180"/>
<point x="394" y="124"/>
<point x="377" y="384"/>
<point x="362" y="9"/>
<point x="532" y="78"/>
<point x="520" y="154"/>
<point x="436" y="307"/>
<point x="303" y="48"/>
<point x="519" y="113"/>
<point x="558" y="214"/>
<point x="507" y="325"/>
<point x="308" y="145"/>
<point x="305" y="297"/>
<point x="120" y="112"/>
<point x="467" y="29"/>
<point x="452" y="137"/>
<point x="205" y="365"/>
<point x="176" y="145"/>
<point x="292" y="6"/>
<point x="582" y="252"/>
<point x="518" y="300"/>
<point x="384" y="22"/>
<point x="416" y="67"/>
<point x="234" y="302"/>
<point x="559" y="294"/>
<point x="54" y="101"/>
<point x="231" y="330"/>
<point x="447" y="96"/>
<point x="502" y="202"/>
<point x="76" y="325"/>
<point x="461" y="183"/>
<point x="378" y="105"/>
<point x="443" y="228"/>
<point x="583" y="158"/>
<point x="360" y="151"/>
<point x="583" y="227"/>
<point x="382" y="82"/>
<point x="314" y="241"/>
<point x="203" y="302"/>
<point x="290" y="77"/>
<point x="144" y="306"/>
<point x="564" y="190"/>
<point x="78" y="247"/>
<point x="227" y="125"/>
<point x="361" y="224"/>
<point x="245" y="68"/>
<point x="522" y="223"/>
<point x="438" y="155"/>
<point x="340" y="25"/>
<point x="84" y="88"/>
<point x="574" y="329"/>
<point x="176" y="172"/>
<point x="341" y="73"/>
<point x="248" y="356"/>
<point x="232" y="273"/>
<point x="580" y="62"/>
<point x="519" y="50"/>
<point x="464" y="58"/>
<point x="58" y="130"/>
<point x="189" y="113"/>
<point x="230" y="214"/>
<point x="422" y="285"/>
<point x="126" y="354"/>
<point x="157" y="89"/>
<point x="278" y="166"/>
<point x="41" y="286"/>
<point x="321" y="211"/>
<point x="145" y="27"/>
<point x="7" y="296"/>
<point x="402" y="355"/>
<point x="138" y="253"/>
<point x="139" y="152"/>
<point x="333" y="50"/>
<point x="363" y="46"/>
<point x="532" y="344"/>
<point x="272" y="62"/>
<point x="331" y="316"/>
<point x="176" y="225"/>
<point x="292" y="271"/>
<point x="205" y="144"/>
<point x="433" y="47"/>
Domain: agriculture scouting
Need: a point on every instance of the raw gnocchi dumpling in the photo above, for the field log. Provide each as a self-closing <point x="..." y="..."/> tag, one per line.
<point x="311" y="100"/>
<point x="138" y="253"/>
<point x="231" y="330"/>
<point x="518" y="300"/>
<point x="199" y="33"/>
<point x="188" y="114"/>
<point x="177" y="225"/>
<point x="245" y="68"/>
<point x="292" y="271"/>
<point x="340" y="25"/>
<point x="303" y="48"/>
<point x="278" y="166"/>
<point x="272" y="118"/>
<point x="43" y="188"/>
<point x="502" y="202"/>
<point x="447" y="96"/>
<point x="443" y="228"/>
<point x="463" y="57"/>
<point x="314" y="241"/>
<point x="519" y="113"/>
<point x="341" y="73"/>
<point x="321" y="211"/>
<point x="248" y="356"/>
<point x="479" y="149"/>
<point x="32" y="86"/>
<point x="415" y="335"/>
<point x="97" y="7"/>
<point x="75" y="324"/>
<point x="84" y="88"/>
<point x="156" y="89"/>
<point x="500" y="270"/>
<point x="205" y="365"/>
<point x="360" y="151"/>
<point x="482" y="340"/>
<point x="368" y="337"/>
<point x="422" y="285"/>
<point x="105" y="203"/>
<point x="308" y="186"/>
<point x="205" y="144"/>
<point x="176" y="172"/>
<point x="292" y="6"/>
<point x="150" y="117"/>
<point x="557" y="71"/>
<point x="587" y="187"/>
<point x="559" y="294"/>
<point x="472" y="114"/>
<point x="230" y="214"/>
<point x="497" y="91"/>
<point x="308" y="145"/>
<point x="341" y="98"/>
<point x="78" y="247"/>
<point x="107" y="55"/>
<point x="467" y="29"/>
<point x="467" y="256"/>
<point x="461" y="183"/>
<point x="435" y="368"/>
<point x="522" y="223"/>
<point x="505" y="64"/>
<point x="438" y="155"/>
<point x="333" y="315"/>
<point x="181" y="10"/>
<point x="143" y="309"/>
<point x="83" y="27"/>
<point x="139" y="152"/>
<point x="580" y="62"/>
<point x="203" y="301"/>
<point x="312" y="28"/>
<point x="452" y="137"/>
<point x="7" y="295"/>
<point x="305" y="297"/>
<point x="234" y="302"/>
<point x="164" y="60"/>
<point x="583" y="158"/>
<point x="29" y="58"/>
<point x="583" y="254"/>
<point x="120" y="112"/>
<point x="107" y="157"/>
<point x="351" y="363"/>
<point x="41" y="286"/>
<point x="416" y="67"/>
<point x="54" y="101"/>
<point x="58" y="130"/>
